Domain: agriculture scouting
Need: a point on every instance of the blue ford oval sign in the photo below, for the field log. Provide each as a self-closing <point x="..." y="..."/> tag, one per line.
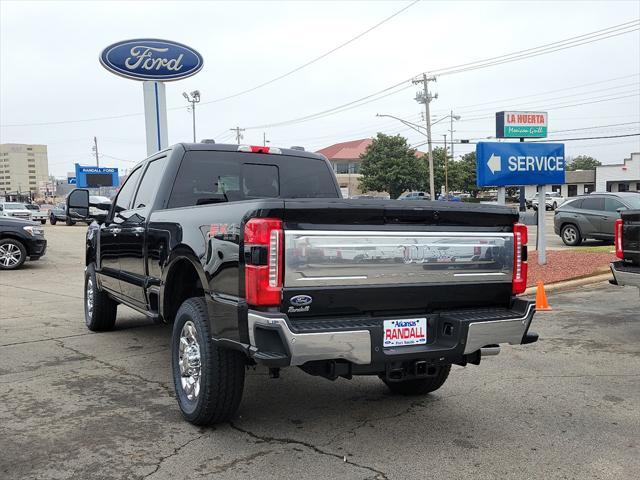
<point x="151" y="59"/>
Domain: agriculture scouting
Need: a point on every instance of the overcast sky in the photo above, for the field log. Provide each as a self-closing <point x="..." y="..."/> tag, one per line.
<point x="49" y="71"/>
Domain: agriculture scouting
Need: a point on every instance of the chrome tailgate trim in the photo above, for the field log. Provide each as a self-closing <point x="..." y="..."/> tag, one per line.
<point x="318" y="258"/>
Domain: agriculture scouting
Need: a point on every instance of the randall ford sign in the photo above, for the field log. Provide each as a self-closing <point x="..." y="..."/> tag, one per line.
<point x="521" y="124"/>
<point x="151" y="59"/>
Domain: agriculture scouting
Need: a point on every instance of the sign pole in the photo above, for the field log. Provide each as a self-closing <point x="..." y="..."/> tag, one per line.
<point x="542" y="208"/>
<point x="155" y="116"/>
<point x="502" y="196"/>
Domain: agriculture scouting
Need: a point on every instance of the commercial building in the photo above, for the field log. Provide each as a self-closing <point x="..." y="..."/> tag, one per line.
<point x="23" y="168"/>
<point x="345" y="161"/>
<point x="622" y="177"/>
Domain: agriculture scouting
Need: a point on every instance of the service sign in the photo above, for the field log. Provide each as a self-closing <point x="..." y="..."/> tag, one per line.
<point x="151" y="59"/>
<point x="521" y="124"/>
<point x="501" y="164"/>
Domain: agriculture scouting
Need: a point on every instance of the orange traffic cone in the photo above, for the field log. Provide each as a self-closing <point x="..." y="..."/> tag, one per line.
<point x="541" y="299"/>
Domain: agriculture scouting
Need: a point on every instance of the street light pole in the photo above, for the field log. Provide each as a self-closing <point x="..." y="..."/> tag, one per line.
<point x="446" y="167"/>
<point x="193" y="98"/>
<point x="425" y="97"/>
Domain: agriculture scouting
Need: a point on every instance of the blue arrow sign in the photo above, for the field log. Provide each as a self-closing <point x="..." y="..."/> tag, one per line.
<point x="503" y="164"/>
<point x="71" y="180"/>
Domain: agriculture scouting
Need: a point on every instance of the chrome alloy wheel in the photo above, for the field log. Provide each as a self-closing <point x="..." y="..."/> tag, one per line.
<point x="10" y="255"/>
<point x="570" y="234"/>
<point x="89" y="297"/>
<point x="189" y="361"/>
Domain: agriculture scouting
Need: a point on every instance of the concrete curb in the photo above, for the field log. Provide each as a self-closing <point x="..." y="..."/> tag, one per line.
<point x="569" y="284"/>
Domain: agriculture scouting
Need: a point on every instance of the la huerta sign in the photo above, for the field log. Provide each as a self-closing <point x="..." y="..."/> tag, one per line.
<point x="151" y="59"/>
<point x="521" y="124"/>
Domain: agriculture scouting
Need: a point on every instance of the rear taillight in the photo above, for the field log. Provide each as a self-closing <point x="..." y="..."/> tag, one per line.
<point x="618" y="238"/>
<point x="519" y="282"/>
<point x="263" y="259"/>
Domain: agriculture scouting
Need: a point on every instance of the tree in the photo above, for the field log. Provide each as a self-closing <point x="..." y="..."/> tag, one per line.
<point x="583" y="162"/>
<point x="462" y="174"/>
<point x="390" y="165"/>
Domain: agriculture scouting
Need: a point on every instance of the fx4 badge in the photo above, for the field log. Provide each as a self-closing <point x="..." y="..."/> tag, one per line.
<point x="300" y="303"/>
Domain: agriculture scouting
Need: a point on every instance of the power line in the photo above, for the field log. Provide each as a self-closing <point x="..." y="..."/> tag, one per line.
<point x="475" y="142"/>
<point x="311" y="62"/>
<point x="597" y="36"/>
<point x="571" y="42"/>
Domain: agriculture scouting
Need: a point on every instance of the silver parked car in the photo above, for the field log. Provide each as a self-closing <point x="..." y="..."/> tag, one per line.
<point x="592" y="216"/>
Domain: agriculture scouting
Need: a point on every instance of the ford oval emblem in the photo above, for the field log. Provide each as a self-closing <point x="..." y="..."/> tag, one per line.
<point x="151" y="59"/>
<point x="301" y="300"/>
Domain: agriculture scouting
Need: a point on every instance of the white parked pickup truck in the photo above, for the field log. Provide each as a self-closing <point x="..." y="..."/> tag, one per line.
<point x="37" y="215"/>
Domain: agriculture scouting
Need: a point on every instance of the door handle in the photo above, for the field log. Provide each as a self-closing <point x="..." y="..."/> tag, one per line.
<point x="137" y="230"/>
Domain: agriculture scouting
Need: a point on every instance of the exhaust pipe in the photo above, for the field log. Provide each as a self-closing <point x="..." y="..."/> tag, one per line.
<point x="490" y="350"/>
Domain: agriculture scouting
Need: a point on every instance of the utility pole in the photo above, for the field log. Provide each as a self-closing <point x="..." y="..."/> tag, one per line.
<point x="425" y="97"/>
<point x="239" y="135"/>
<point x="193" y="98"/>
<point x="446" y="167"/>
<point x="95" y="149"/>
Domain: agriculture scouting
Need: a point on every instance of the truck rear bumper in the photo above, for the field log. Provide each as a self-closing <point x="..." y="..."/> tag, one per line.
<point x="452" y="337"/>
<point x="625" y="274"/>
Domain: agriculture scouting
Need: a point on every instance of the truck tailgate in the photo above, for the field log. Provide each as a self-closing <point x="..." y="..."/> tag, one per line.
<point x="376" y="256"/>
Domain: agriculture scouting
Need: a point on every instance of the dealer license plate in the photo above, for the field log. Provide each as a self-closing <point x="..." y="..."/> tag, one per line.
<point x="405" y="332"/>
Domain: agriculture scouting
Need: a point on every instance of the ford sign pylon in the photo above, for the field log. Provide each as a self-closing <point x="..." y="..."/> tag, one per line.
<point x="154" y="62"/>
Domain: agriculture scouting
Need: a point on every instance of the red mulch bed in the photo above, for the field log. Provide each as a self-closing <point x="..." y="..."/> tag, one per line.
<point x="566" y="264"/>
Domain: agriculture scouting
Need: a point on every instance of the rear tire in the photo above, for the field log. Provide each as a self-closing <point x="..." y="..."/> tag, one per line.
<point x="53" y="220"/>
<point x="420" y="386"/>
<point x="208" y="379"/>
<point x="12" y="254"/>
<point x="571" y="235"/>
<point x="100" y="310"/>
<point x="69" y="222"/>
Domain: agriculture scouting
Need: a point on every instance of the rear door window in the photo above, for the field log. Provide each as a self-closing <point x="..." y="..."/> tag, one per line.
<point x="593" y="203"/>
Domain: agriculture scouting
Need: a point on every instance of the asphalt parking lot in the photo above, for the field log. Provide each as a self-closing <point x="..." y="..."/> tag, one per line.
<point x="75" y="404"/>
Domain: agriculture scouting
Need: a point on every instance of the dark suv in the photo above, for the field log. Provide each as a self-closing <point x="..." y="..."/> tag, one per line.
<point x="592" y="216"/>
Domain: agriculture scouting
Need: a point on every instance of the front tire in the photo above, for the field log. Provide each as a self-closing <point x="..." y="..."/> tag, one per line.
<point x="100" y="310"/>
<point x="53" y="220"/>
<point x="420" y="386"/>
<point x="12" y="254"/>
<point x="69" y="222"/>
<point x="43" y="221"/>
<point x="571" y="235"/>
<point x="208" y="379"/>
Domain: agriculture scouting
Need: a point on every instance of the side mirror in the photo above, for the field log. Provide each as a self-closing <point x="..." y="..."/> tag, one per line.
<point x="78" y="201"/>
<point x="621" y="209"/>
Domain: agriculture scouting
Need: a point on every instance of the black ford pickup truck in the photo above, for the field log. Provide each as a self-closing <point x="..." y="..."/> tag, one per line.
<point x="256" y="259"/>
<point x="626" y="271"/>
